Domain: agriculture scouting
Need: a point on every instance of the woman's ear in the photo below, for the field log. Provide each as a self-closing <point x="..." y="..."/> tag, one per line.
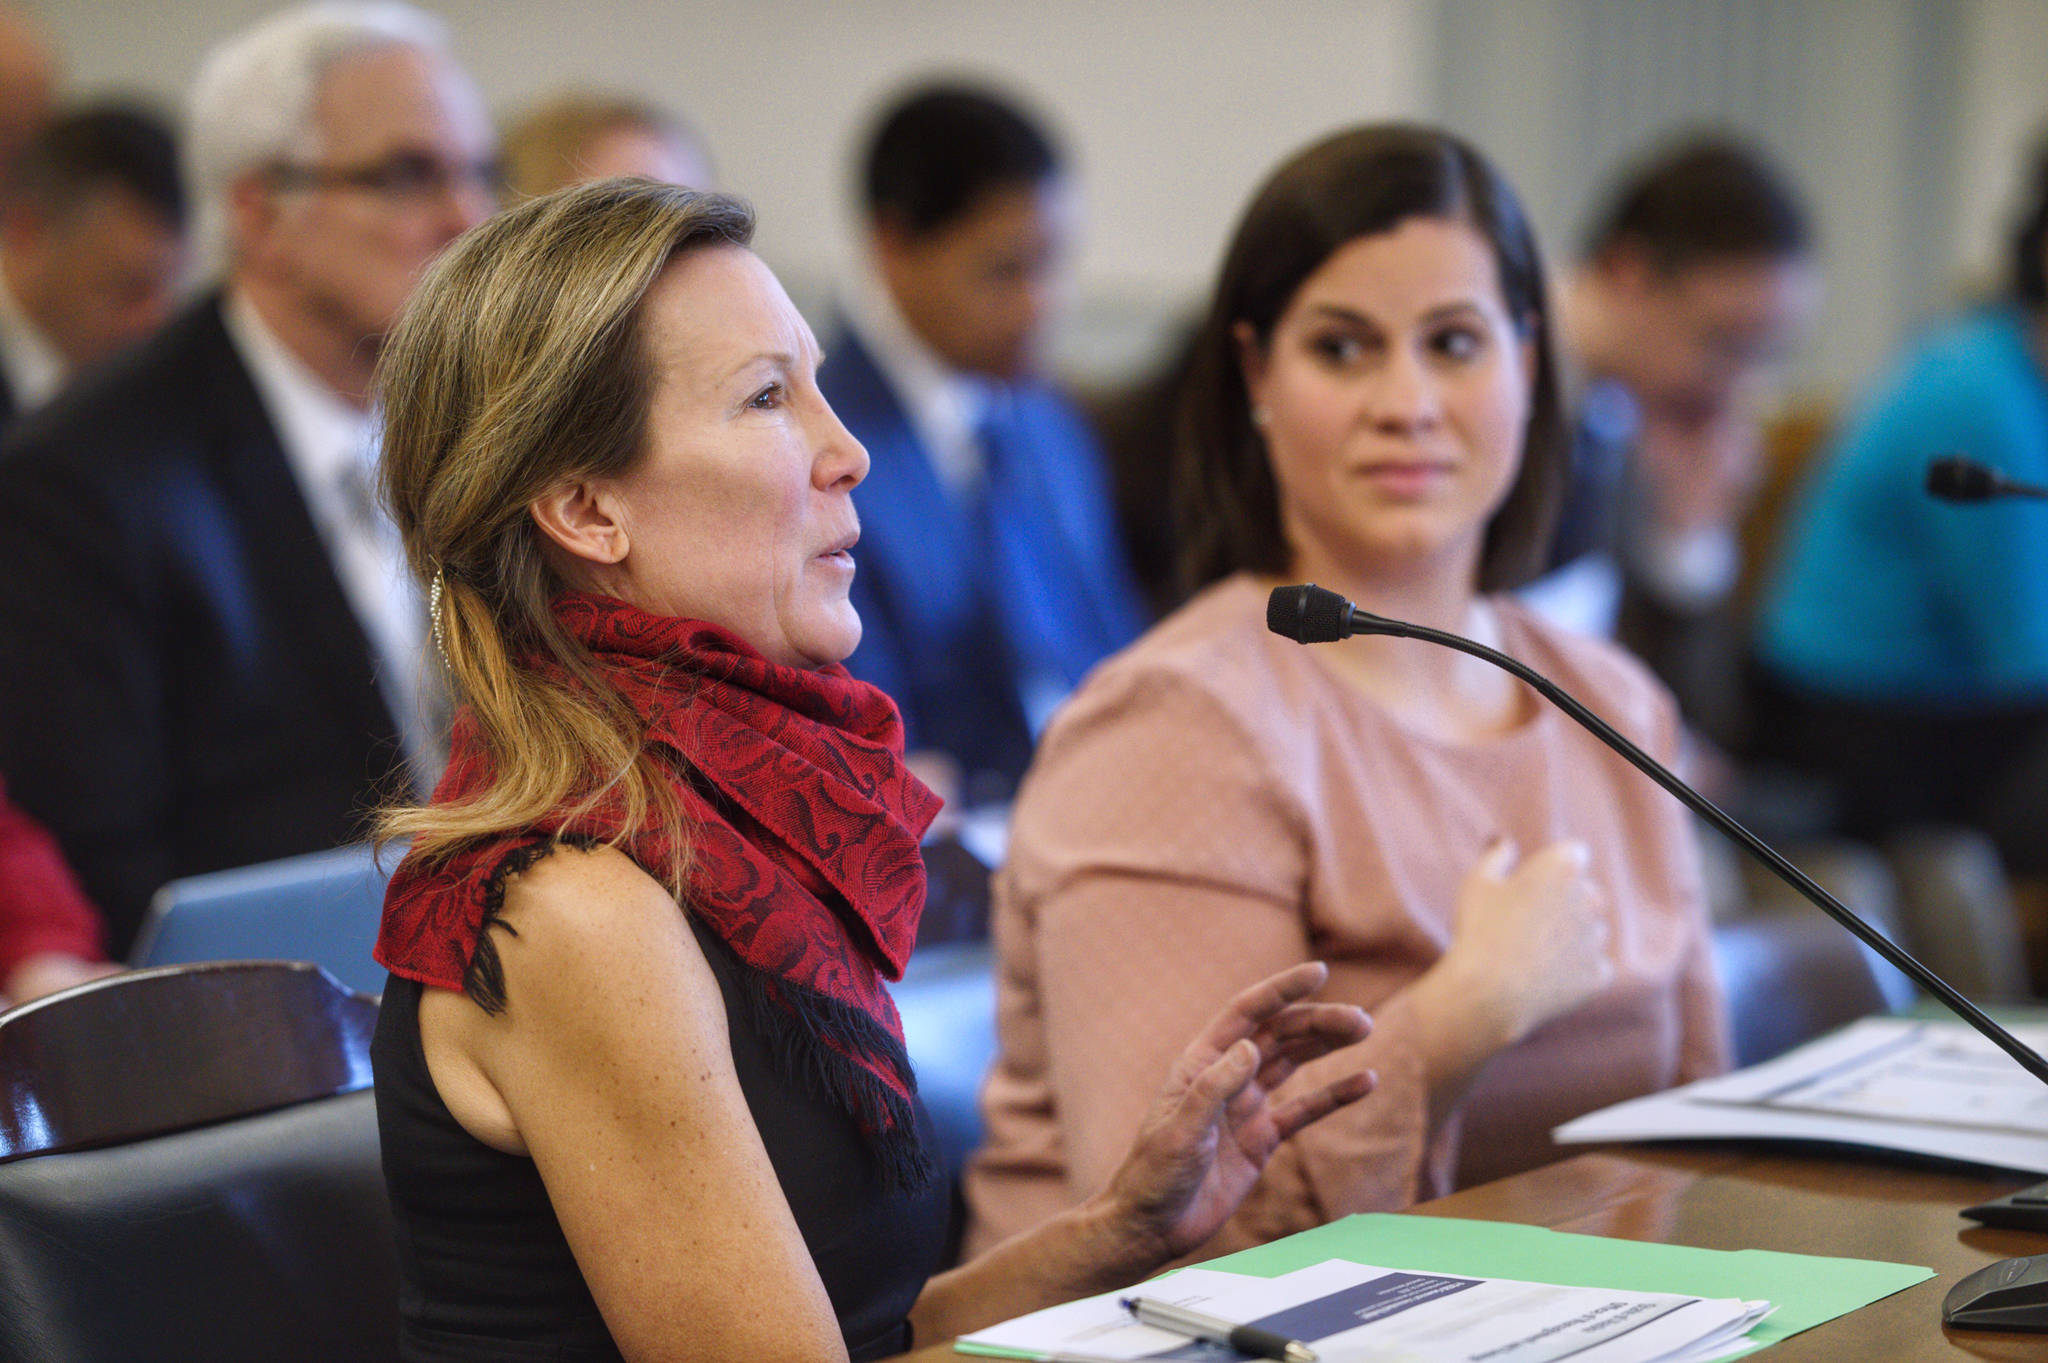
<point x="1251" y="362"/>
<point x="585" y="520"/>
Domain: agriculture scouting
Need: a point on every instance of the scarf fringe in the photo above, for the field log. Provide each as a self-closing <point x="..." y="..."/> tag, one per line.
<point x="808" y="1021"/>
<point x="484" y="978"/>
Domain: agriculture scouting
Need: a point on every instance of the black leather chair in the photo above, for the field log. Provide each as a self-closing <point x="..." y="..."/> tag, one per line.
<point x="189" y="1170"/>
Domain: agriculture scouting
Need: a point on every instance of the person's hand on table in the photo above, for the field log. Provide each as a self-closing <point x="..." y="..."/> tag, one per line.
<point x="47" y="973"/>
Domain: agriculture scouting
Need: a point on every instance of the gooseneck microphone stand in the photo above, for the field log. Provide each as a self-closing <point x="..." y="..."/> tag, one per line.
<point x="1310" y="614"/>
<point x="2010" y="1294"/>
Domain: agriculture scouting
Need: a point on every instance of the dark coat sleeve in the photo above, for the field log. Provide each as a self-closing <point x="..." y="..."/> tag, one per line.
<point x="83" y="741"/>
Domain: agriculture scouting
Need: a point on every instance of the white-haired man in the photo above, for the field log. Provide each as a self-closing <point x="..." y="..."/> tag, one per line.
<point x="211" y="655"/>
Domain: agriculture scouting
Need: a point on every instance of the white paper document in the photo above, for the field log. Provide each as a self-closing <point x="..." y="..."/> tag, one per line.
<point x="1930" y="1088"/>
<point x="1353" y="1313"/>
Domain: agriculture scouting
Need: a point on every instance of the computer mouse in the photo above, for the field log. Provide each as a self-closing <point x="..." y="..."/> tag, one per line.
<point x="2011" y="1294"/>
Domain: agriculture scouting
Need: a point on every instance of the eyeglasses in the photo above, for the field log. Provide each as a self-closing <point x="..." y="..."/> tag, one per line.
<point x="403" y="178"/>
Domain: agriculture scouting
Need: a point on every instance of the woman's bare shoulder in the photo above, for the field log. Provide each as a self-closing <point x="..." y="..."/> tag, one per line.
<point x="581" y="924"/>
<point x="571" y="874"/>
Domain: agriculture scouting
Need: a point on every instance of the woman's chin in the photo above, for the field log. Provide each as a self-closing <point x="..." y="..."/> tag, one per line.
<point x="829" y="640"/>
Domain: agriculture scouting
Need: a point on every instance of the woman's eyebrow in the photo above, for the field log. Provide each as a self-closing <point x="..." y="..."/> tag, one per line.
<point x="775" y="358"/>
<point x="1338" y="312"/>
<point x="1453" y="308"/>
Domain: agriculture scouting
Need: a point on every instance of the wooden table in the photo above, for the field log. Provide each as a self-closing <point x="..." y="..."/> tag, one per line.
<point x="1732" y="1198"/>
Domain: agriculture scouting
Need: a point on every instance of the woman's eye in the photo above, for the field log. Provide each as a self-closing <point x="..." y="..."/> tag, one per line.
<point x="1460" y="343"/>
<point x="768" y="399"/>
<point x="1337" y="348"/>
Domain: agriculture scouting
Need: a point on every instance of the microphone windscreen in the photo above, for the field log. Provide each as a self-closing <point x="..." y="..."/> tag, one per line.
<point x="1956" y="479"/>
<point x="1308" y="614"/>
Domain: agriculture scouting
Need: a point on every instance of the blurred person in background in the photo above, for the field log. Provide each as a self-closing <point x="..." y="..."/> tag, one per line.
<point x="213" y="653"/>
<point x="1902" y="642"/>
<point x="1696" y="282"/>
<point x="1373" y="405"/>
<point x="992" y="574"/>
<point x="28" y="84"/>
<point x="580" y="136"/>
<point x="91" y="242"/>
<point x="92" y="248"/>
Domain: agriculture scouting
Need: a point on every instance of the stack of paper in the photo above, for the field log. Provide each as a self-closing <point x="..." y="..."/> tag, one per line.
<point x="1930" y="1088"/>
<point x="1354" y="1313"/>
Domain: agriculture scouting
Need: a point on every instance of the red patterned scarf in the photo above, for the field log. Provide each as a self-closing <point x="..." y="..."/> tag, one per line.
<point x="803" y="842"/>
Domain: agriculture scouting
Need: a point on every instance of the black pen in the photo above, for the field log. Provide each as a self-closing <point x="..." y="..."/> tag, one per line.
<point x="1244" y="1338"/>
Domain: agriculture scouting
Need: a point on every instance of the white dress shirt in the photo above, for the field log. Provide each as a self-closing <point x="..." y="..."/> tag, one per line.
<point x="331" y="446"/>
<point x="33" y="368"/>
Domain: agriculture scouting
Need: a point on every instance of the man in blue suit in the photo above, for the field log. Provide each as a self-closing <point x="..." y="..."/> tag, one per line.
<point x="991" y="575"/>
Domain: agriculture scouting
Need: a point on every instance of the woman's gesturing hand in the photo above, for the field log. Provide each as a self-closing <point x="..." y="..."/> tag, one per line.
<point x="1214" y="1124"/>
<point x="1530" y="939"/>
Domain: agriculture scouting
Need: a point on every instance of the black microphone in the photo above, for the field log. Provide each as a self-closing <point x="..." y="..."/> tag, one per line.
<point x="1956" y="479"/>
<point x="1309" y="614"/>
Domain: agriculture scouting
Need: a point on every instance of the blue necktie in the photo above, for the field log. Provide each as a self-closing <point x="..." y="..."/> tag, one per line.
<point x="1020" y="582"/>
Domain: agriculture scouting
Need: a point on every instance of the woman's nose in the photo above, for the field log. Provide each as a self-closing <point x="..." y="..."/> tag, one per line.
<point x="841" y="460"/>
<point x="1405" y="393"/>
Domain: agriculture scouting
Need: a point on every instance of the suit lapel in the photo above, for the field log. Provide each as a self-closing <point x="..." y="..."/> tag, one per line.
<point x="309" y="611"/>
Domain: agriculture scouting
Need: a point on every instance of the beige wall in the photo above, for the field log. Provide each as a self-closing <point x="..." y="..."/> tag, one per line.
<point x="2004" y="111"/>
<point x="1172" y="107"/>
<point x="1856" y="99"/>
<point x="1902" y="117"/>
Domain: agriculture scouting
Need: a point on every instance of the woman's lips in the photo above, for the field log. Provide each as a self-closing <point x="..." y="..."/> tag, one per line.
<point x="1406" y="477"/>
<point x="840" y="555"/>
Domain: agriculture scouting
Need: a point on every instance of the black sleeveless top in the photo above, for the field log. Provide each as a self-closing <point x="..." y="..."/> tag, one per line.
<point x="485" y="1272"/>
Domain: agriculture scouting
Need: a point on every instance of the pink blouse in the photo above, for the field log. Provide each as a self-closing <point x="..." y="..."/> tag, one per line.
<point x="1214" y="805"/>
